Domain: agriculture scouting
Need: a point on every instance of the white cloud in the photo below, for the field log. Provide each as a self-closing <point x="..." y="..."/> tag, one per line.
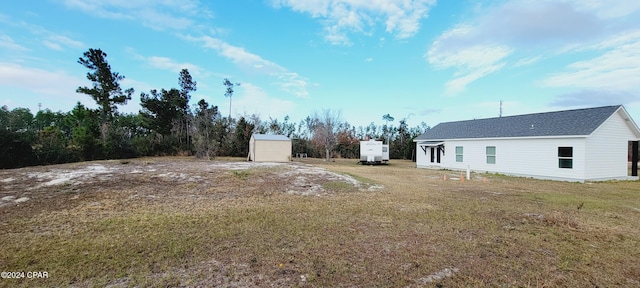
<point x="616" y="40"/>
<point x="472" y="63"/>
<point x="52" y="83"/>
<point x="238" y="55"/>
<point x="159" y="15"/>
<point x="341" y="17"/>
<point x="471" y="58"/>
<point x="525" y="23"/>
<point x="317" y="8"/>
<point x="7" y="42"/>
<point x="139" y="86"/>
<point x="251" y="99"/>
<point x="617" y="68"/>
<point x="527" y="29"/>
<point x="49" y="39"/>
<point x="166" y="63"/>
<point x="163" y="20"/>
<point x="608" y="8"/>
<point x="459" y="84"/>
<point x="287" y="81"/>
<point x="171" y="65"/>
<point x="527" y="61"/>
<point x="292" y="83"/>
<point x="59" y="42"/>
<point x="52" y="45"/>
<point x="99" y="8"/>
<point x="54" y="89"/>
<point x="64" y="40"/>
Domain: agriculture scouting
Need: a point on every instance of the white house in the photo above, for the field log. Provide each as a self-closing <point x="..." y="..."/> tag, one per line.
<point x="574" y="145"/>
<point x="269" y="148"/>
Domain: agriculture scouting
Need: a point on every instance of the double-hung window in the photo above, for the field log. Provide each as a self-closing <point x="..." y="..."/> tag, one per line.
<point x="565" y="157"/>
<point x="458" y="153"/>
<point x="491" y="154"/>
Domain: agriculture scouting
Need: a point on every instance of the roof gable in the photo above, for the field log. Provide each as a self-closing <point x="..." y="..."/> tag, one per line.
<point x="579" y="122"/>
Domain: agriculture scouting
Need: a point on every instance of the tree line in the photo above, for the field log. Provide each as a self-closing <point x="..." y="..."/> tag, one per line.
<point x="169" y="124"/>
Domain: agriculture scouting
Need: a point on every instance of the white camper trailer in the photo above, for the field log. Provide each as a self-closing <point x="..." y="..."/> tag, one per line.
<point x="374" y="152"/>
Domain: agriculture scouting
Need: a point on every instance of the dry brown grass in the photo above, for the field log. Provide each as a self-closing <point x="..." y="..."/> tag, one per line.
<point x="242" y="228"/>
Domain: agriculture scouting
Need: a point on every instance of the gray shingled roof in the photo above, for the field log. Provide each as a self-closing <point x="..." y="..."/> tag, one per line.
<point x="270" y="137"/>
<point x="559" y="123"/>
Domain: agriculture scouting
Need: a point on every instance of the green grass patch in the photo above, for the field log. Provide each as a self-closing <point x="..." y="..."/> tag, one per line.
<point x="241" y="174"/>
<point x="361" y="178"/>
<point x="339" y="186"/>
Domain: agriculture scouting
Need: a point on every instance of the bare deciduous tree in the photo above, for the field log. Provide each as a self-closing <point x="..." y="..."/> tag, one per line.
<point x="325" y="128"/>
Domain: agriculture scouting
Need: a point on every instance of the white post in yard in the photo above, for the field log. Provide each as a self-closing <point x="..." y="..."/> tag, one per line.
<point x="468" y="172"/>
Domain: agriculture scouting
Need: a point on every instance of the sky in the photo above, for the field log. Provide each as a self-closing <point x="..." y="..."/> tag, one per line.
<point x="422" y="60"/>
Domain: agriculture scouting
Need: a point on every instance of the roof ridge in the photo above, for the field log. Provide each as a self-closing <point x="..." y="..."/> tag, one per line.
<point x="536" y="113"/>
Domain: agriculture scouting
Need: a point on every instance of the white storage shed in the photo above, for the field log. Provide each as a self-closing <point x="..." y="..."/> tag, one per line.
<point x="269" y="148"/>
<point x="574" y="145"/>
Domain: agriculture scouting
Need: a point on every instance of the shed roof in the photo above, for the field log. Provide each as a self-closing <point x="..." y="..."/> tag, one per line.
<point x="269" y="137"/>
<point x="579" y="122"/>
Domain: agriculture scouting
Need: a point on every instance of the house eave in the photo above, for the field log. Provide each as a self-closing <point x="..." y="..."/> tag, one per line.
<point x="503" y="138"/>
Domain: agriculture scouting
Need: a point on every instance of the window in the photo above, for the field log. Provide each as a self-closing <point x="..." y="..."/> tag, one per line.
<point x="458" y="153"/>
<point x="565" y="157"/>
<point x="491" y="154"/>
<point x="384" y="149"/>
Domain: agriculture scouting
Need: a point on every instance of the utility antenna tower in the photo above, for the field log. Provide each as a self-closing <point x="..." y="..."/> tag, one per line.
<point x="500" y="108"/>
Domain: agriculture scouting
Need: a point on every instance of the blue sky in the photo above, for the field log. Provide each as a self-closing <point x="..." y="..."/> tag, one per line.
<point x="424" y="60"/>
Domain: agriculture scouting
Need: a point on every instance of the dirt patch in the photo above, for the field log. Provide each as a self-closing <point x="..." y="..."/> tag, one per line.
<point x="22" y="185"/>
<point x="445" y="273"/>
<point x="147" y="196"/>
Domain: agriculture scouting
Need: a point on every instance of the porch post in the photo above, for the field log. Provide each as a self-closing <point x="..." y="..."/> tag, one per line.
<point x="634" y="158"/>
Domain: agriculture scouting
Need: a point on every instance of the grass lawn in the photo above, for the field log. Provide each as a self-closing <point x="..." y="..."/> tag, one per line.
<point x="176" y="221"/>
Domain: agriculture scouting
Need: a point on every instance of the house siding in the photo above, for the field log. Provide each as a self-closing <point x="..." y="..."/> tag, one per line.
<point x="607" y="149"/>
<point x="530" y="157"/>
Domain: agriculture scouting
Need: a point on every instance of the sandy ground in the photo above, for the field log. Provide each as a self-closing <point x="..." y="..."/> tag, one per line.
<point x="103" y="189"/>
<point x="26" y="184"/>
